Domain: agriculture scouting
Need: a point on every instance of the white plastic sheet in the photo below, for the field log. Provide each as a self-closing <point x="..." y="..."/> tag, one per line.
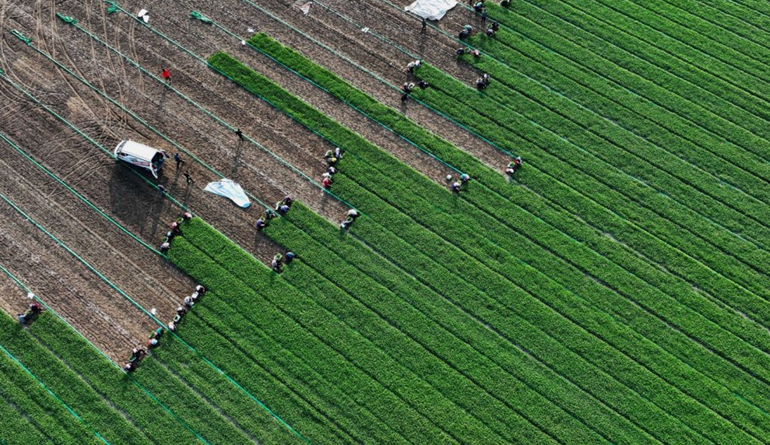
<point x="230" y="190"/>
<point x="431" y="9"/>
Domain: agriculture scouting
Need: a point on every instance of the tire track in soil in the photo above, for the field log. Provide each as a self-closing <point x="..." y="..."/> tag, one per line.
<point x="274" y="124"/>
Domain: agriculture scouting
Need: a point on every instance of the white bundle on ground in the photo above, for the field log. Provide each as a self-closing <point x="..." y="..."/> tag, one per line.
<point x="431" y="9"/>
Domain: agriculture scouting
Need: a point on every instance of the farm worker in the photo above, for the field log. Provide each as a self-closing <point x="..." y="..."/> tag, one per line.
<point x="483" y="16"/>
<point x="287" y="200"/>
<point x="151" y="343"/>
<point x="129" y="367"/>
<point x="200" y="289"/>
<point x="178" y="159"/>
<point x="413" y="65"/>
<point x="478" y="6"/>
<point x="166" y="74"/>
<point x="331" y="170"/>
<point x="490" y="32"/>
<point x="136" y="354"/>
<point x="261" y="224"/>
<point x="276" y="263"/>
<point x="270" y="214"/>
<point x="476" y="53"/>
<point x="423" y="84"/>
<point x="485" y="77"/>
<point x="188" y="301"/>
<point x="337" y="152"/>
<point x="283" y="209"/>
<point x="424" y="24"/>
<point x="353" y="213"/>
<point x="188" y="178"/>
<point x="22" y="318"/>
<point x="464" y="178"/>
<point x="156" y="333"/>
<point x="505" y="3"/>
<point x="495" y="26"/>
<point x="344" y="225"/>
<point x="455" y="187"/>
<point x="407" y="87"/>
<point x="239" y="133"/>
<point x="460" y="51"/>
<point x="404" y="98"/>
<point x="327" y="182"/>
<point x="480" y="85"/>
<point x="187" y="215"/>
<point x="290" y="256"/>
<point x="172" y="326"/>
<point x="165" y="246"/>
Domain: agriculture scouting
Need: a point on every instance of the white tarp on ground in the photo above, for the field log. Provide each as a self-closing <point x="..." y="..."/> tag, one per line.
<point x="431" y="9"/>
<point x="231" y="190"/>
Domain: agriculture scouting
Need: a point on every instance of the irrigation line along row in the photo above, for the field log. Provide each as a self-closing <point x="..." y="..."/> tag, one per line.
<point x="586" y="152"/>
<point x="227" y="31"/>
<point x="634" y="225"/>
<point x="48" y="390"/>
<point x="473" y="132"/>
<point x="73" y="22"/>
<point x="630" y="223"/>
<point x="49" y="309"/>
<point x="373" y="74"/>
<point x="561" y="95"/>
<point x="120" y="291"/>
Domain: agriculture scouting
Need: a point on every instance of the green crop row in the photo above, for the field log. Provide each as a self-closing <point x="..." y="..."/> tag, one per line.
<point x="19" y="429"/>
<point x="713" y="24"/>
<point x="238" y="407"/>
<point x="714" y="254"/>
<point x="695" y="272"/>
<point x="108" y="381"/>
<point x="695" y="327"/>
<point x="522" y="223"/>
<point x="744" y="12"/>
<point x="244" y="76"/>
<point x="339" y="269"/>
<point x="86" y="401"/>
<point x="382" y="415"/>
<point x="706" y="197"/>
<point x="352" y="345"/>
<point x="362" y="319"/>
<point x="628" y="69"/>
<point x="392" y="119"/>
<point x="729" y="65"/>
<point x="740" y="11"/>
<point x="742" y="93"/>
<point x="489" y="312"/>
<point x="20" y="390"/>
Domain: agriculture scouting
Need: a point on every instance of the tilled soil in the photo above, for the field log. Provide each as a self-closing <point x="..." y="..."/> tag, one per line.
<point x="285" y="160"/>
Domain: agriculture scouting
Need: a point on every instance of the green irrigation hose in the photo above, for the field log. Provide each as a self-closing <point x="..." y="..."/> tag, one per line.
<point x="99" y="351"/>
<point x="73" y="22"/>
<point x="48" y="390"/>
<point x="142" y="309"/>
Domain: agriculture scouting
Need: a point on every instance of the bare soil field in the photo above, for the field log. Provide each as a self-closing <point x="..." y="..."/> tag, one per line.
<point x="102" y="313"/>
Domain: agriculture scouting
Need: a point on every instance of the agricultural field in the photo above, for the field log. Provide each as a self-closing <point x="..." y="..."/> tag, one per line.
<point x="613" y="290"/>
